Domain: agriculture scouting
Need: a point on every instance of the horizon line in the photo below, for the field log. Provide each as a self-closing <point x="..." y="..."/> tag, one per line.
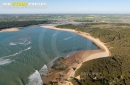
<point x="72" y="13"/>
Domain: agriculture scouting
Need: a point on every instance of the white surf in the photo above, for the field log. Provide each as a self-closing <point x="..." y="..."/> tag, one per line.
<point x="35" y="79"/>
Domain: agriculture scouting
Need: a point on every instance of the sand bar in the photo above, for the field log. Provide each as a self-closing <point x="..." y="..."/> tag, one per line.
<point x="9" y="30"/>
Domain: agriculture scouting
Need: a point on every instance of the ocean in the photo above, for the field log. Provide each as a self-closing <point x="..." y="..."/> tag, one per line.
<point x="24" y="53"/>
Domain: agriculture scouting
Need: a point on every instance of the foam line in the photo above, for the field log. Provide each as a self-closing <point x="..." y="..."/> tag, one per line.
<point x="35" y="79"/>
<point x="5" y="60"/>
<point x="67" y="38"/>
<point x="43" y="70"/>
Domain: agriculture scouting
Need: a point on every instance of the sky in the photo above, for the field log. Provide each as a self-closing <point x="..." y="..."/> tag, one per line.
<point x="70" y="7"/>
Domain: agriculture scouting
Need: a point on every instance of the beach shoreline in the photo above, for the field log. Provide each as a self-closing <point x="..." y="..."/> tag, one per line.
<point x="86" y="55"/>
<point x="86" y="35"/>
<point x="10" y="30"/>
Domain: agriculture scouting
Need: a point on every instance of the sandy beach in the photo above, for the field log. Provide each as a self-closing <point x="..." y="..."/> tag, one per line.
<point x="9" y="30"/>
<point x="80" y="56"/>
<point x="87" y="35"/>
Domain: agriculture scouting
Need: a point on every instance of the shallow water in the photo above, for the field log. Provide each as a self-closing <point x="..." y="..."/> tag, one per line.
<point x="24" y="52"/>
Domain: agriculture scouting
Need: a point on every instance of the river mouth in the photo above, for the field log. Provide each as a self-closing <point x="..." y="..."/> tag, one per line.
<point x="25" y="51"/>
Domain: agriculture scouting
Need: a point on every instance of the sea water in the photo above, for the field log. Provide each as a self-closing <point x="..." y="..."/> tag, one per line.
<point x="25" y="53"/>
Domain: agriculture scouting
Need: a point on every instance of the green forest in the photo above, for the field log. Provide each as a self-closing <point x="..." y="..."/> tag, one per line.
<point x="4" y="25"/>
<point x="113" y="70"/>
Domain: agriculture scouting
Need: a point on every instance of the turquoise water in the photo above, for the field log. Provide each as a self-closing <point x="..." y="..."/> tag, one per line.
<point x="28" y="50"/>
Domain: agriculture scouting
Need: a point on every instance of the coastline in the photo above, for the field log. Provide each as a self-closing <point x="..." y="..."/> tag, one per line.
<point x="10" y="30"/>
<point x="83" y="56"/>
<point x="86" y="35"/>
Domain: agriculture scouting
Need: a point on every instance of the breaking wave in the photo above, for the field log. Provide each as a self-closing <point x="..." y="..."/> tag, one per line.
<point x="67" y="38"/>
<point x="35" y="79"/>
<point x="6" y="59"/>
<point x="22" y="41"/>
<point x="12" y="43"/>
<point x="43" y="70"/>
<point x="17" y="52"/>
